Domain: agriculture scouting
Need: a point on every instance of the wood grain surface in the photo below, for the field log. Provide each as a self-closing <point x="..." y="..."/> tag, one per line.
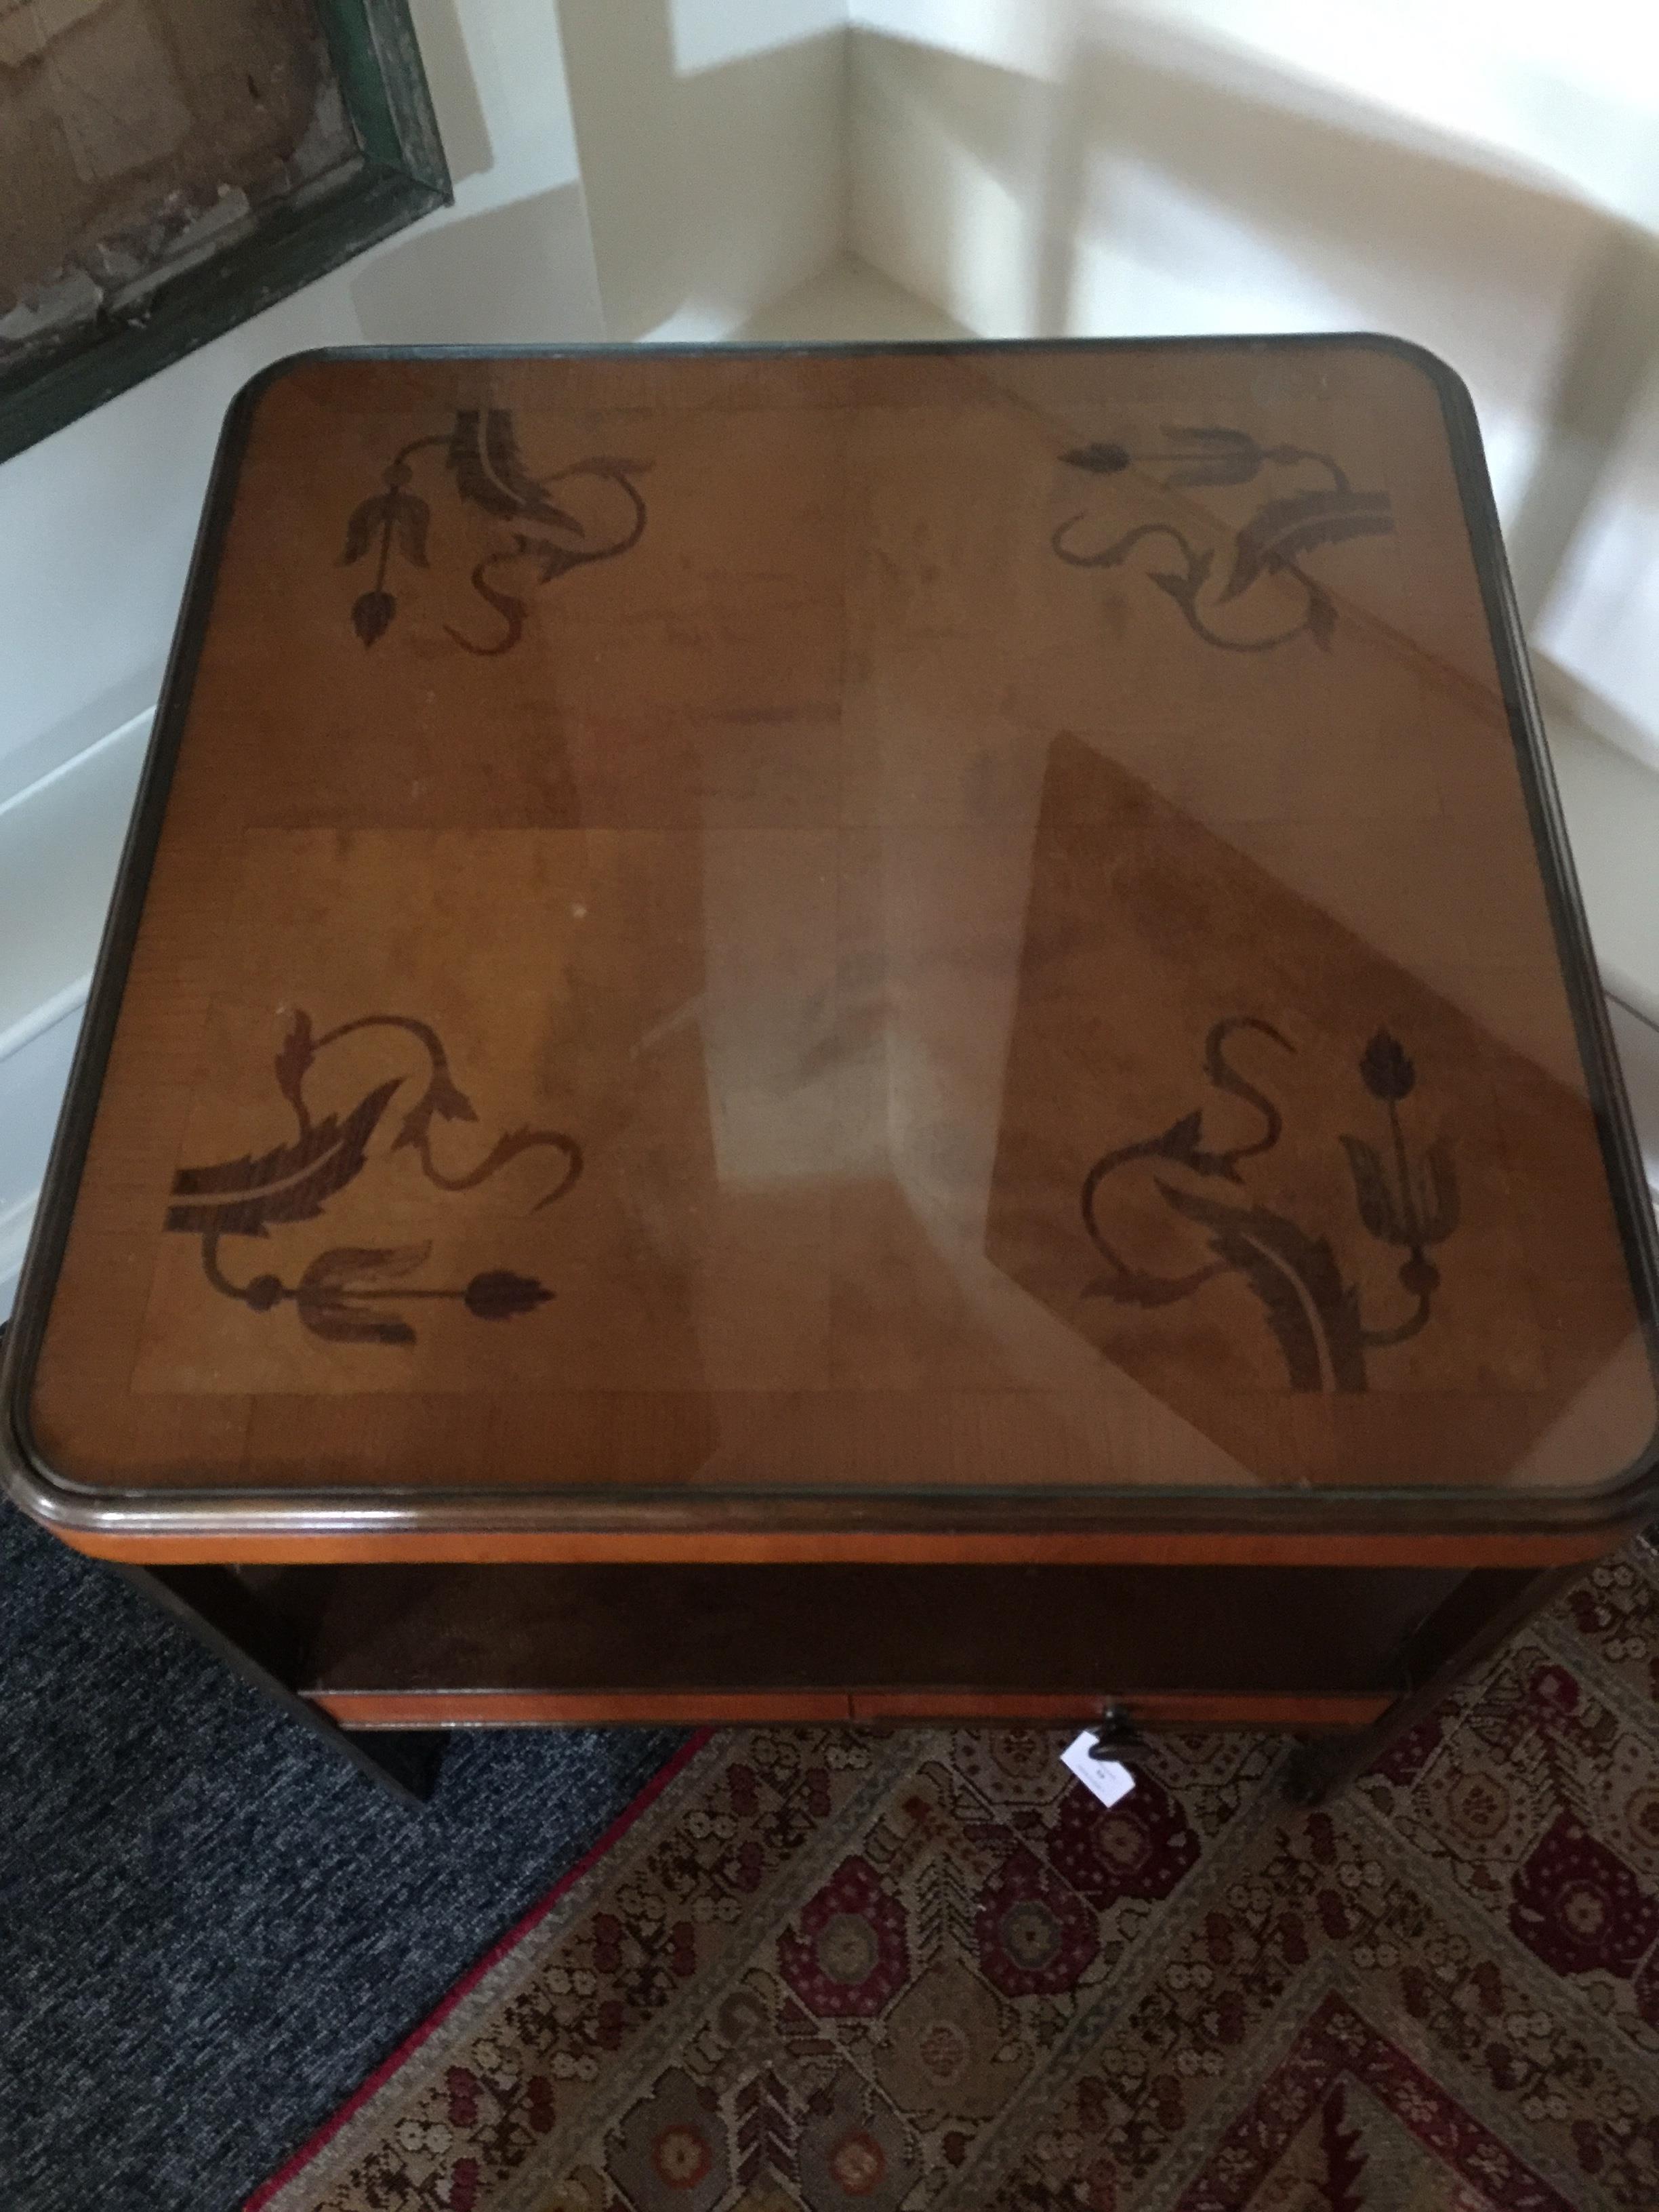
<point x="868" y="923"/>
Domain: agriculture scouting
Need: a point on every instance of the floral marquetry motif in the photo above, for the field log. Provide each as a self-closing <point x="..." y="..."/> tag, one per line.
<point x="481" y="452"/>
<point x="342" y="1295"/>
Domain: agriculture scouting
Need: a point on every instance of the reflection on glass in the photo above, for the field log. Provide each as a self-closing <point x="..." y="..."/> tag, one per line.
<point x="994" y="888"/>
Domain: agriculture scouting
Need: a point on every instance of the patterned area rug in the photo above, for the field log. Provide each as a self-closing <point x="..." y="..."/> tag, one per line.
<point x="821" y="1969"/>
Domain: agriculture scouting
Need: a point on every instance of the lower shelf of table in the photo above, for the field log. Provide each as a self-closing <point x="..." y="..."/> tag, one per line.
<point x="460" y="1646"/>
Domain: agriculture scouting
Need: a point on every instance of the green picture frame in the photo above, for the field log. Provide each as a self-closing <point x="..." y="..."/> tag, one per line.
<point x="401" y="175"/>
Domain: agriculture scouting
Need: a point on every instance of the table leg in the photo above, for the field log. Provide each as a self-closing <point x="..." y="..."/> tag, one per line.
<point x="1482" y="1612"/>
<point x="223" y="1613"/>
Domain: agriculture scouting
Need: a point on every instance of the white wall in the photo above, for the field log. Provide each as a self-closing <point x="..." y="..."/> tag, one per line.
<point x="713" y="149"/>
<point x="1601" y="626"/>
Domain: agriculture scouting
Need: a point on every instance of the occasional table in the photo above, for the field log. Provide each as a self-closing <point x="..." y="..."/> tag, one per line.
<point x="852" y="1033"/>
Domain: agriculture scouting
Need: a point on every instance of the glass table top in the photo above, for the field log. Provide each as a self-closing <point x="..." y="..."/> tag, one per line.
<point x="979" y="919"/>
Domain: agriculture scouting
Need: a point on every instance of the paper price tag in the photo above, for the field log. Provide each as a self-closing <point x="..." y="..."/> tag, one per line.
<point x="1106" y="1778"/>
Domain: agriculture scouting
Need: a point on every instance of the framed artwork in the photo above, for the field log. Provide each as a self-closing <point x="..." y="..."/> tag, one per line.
<point x="169" y="167"/>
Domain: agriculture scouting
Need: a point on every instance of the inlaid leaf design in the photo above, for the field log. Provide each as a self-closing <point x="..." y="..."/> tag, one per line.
<point x="1214" y="456"/>
<point x="404" y="512"/>
<point x="372" y="614"/>
<point x="482" y="453"/>
<point x="1291" y="1273"/>
<point x="342" y="1295"/>
<point x="361" y="529"/>
<point x="498" y="1294"/>
<point x="491" y="471"/>
<point x="506" y="464"/>
<point x="240" y="1197"/>
<point x="1386" y="1068"/>
<point x="1283" y="529"/>
<point x="1316" y="1316"/>
<point x="345" y="1324"/>
<point x="443" y="1098"/>
<point x="1225" y="457"/>
<point x="335" y="1270"/>
<point x="466" y="458"/>
<point x="323" y="1297"/>
<point x="1099" y="460"/>
<point x="1371" y="1190"/>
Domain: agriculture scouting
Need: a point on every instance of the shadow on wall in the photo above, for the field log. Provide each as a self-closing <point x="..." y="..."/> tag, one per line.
<point x="710" y="186"/>
<point x="455" y="91"/>
<point x="710" y="189"/>
<point x="1181" y="191"/>
<point x="518" y="275"/>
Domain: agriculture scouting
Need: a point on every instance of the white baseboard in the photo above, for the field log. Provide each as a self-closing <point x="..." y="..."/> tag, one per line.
<point x="60" y="839"/>
<point x="59" y="843"/>
<point x="14" y="1226"/>
<point x="32" y="1073"/>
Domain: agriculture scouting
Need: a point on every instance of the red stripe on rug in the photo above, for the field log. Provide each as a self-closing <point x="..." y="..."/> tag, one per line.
<point x="468" y="1981"/>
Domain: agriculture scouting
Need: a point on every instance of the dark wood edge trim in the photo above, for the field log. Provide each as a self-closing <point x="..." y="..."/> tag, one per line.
<point x="23" y="1471"/>
<point x="1621" y="1150"/>
<point x="429" y="1709"/>
<point x="365" y="1710"/>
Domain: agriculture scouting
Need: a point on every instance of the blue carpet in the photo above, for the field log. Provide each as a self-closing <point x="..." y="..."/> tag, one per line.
<point x="211" y="1927"/>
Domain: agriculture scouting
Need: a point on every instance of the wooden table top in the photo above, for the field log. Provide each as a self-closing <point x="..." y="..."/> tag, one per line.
<point x="954" y="936"/>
